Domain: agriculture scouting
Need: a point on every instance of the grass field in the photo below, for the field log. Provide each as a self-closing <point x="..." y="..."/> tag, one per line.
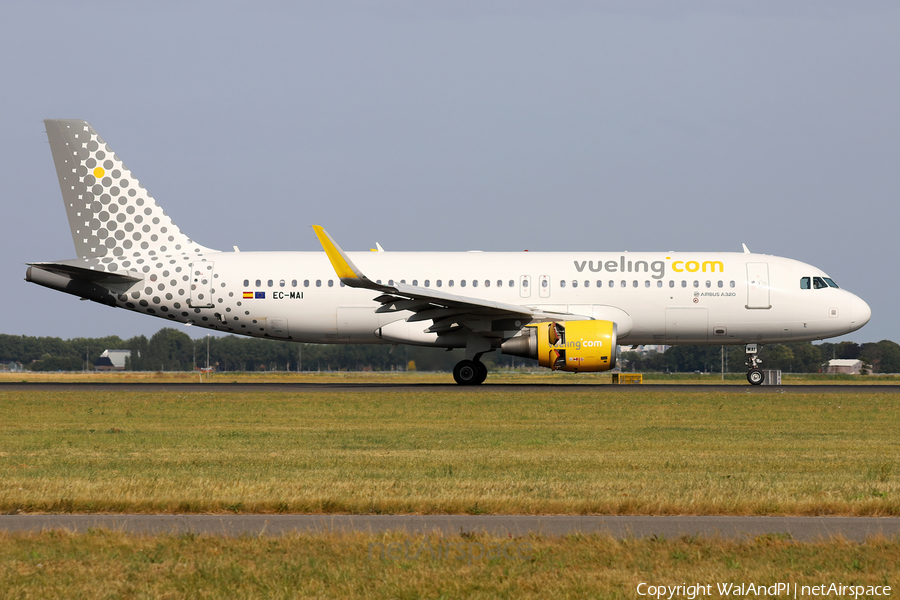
<point x="489" y="450"/>
<point x="104" y="564"/>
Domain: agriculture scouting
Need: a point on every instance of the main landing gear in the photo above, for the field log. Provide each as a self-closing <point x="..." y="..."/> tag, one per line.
<point x="755" y="375"/>
<point x="470" y="372"/>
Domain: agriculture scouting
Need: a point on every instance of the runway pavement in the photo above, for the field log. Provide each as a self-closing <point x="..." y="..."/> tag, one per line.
<point x="604" y="388"/>
<point x="795" y="528"/>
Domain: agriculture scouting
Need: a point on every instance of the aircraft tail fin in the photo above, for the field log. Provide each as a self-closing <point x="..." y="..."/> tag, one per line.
<point x="110" y="213"/>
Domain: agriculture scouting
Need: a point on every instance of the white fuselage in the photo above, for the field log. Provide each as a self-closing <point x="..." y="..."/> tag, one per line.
<point x="655" y="298"/>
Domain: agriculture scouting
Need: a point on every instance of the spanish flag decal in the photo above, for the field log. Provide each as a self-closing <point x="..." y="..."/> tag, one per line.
<point x="248" y="295"/>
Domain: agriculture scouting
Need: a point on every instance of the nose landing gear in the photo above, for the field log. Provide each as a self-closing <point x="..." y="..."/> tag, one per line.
<point x="755" y="375"/>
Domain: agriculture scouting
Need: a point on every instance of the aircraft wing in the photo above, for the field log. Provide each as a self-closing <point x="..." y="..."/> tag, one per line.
<point x="446" y="310"/>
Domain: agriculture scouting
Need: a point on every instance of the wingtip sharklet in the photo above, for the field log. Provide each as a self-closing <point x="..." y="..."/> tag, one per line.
<point x="343" y="266"/>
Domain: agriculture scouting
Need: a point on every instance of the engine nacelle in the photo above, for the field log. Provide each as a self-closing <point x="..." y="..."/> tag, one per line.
<point x="567" y="345"/>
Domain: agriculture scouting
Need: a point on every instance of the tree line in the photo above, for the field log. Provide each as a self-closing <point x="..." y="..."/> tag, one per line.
<point x="173" y="350"/>
<point x="803" y="357"/>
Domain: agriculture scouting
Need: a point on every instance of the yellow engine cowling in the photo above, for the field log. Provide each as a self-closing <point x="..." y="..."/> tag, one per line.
<point x="568" y="345"/>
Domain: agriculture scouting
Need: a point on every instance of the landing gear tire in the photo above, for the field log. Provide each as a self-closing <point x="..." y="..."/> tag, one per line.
<point x="482" y="372"/>
<point x="756" y="376"/>
<point x="469" y="372"/>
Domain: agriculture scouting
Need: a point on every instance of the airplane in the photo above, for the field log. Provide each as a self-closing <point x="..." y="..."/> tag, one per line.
<point x="567" y="310"/>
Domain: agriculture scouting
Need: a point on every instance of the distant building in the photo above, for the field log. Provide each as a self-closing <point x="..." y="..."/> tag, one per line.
<point x="11" y="366"/>
<point x="112" y="360"/>
<point x="650" y="349"/>
<point x="848" y="366"/>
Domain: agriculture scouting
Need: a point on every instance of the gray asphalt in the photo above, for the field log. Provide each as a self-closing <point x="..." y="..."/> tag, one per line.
<point x="450" y="387"/>
<point x="856" y="529"/>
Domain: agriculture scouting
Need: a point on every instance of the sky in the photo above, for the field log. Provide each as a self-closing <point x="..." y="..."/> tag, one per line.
<point x="589" y="126"/>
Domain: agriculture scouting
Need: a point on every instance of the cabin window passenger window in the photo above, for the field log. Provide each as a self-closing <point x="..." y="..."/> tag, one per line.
<point x="450" y="283"/>
<point x="330" y="283"/>
<point x="624" y="283"/>
<point x="599" y="283"/>
<point x="318" y="283"/>
<point x="672" y="283"/>
<point x="306" y="283"/>
<point x="474" y="283"/>
<point x="293" y="283"/>
<point x="342" y="284"/>
<point x="587" y="283"/>
<point x="246" y="283"/>
<point x="499" y="283"/>
<point x="427" y="283"/>
<point x="634" y="283"/>
<point x="524" y="283"/>
<point x="402" y="281"/>
<point x="439" y="283"/>
<point x="696" y="283"/>
<point x="574" y="283"/>
<point x="390" y="282"/>
<point x="708" y="283"/>
<point x="462" y="283"/>
<point x="512" y="283"/>
<point x="612" y="283"/>
<point x="271" y="283"/>
<point x="659" y="283"/>
<point x="487" y="283"/>
<point x="562" y="284"/>
<point x="804" y="283"/>
<point x="544" y="283"/>
<point x="378" y="282"/>
<point x="647" y="283"/>
<point x="731" y="284"/>
<point x="683" y="283"/>
<point x="415" y="282"/>
<point x="258" y="283"/>
<point x="281" y="283"/>
<point x="721" y="283"/>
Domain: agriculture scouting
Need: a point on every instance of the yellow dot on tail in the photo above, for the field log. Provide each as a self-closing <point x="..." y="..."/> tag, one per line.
<point x="99" y="172"/>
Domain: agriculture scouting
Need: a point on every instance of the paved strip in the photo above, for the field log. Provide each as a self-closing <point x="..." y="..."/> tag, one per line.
<point x="805" y="529"/>
<point x="418" y="387"/>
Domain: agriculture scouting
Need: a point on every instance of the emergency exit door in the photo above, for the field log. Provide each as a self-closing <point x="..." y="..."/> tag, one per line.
<point x="758" y="291"/>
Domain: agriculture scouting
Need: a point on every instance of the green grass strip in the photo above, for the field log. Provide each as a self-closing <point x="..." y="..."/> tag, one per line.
<point x="484" y="451"/>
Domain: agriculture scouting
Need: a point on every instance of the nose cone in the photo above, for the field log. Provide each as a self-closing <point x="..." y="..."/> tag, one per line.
<point x="860" y="313"/>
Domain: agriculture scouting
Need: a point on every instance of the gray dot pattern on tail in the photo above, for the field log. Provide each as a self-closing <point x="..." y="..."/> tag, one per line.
<point x="116" y="218"/>
<point x="117" y="226"/>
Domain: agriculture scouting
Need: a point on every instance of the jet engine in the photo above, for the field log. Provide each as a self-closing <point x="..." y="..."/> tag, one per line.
<point x="567" y="345"/>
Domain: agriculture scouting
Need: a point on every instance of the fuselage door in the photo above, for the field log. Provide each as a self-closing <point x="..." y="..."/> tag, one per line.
<point x="201" y="284"/>
<point x="758" y="285"/>
<point x="525" y="286"/>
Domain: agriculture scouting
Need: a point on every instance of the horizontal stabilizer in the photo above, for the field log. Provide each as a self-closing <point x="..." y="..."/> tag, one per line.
<point x="89" y="275"/>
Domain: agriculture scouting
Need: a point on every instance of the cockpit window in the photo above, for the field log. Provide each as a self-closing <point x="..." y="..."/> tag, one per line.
<point x="819" y="283"/>
<point x="831" y="283"/>
<point x="804" y="283"/>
